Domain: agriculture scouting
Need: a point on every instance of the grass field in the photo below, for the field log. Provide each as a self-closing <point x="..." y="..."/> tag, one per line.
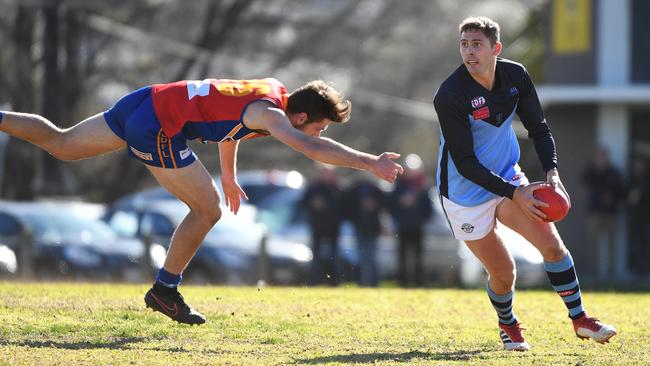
<point x="102" y="324"/>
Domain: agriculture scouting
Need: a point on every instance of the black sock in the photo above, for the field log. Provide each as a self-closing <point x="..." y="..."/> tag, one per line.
<point x="565" y="282"/>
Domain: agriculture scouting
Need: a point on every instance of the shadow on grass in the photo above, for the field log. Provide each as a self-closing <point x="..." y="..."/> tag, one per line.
<point x="120" y="343"/>
<point x="399" y="357"/>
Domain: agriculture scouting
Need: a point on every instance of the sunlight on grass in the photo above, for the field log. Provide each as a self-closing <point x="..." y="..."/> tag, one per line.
<point x="108" y="324"/>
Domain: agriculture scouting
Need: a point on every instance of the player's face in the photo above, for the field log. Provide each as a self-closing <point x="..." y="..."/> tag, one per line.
<point x="314" y="128"/>
<point x="479" y="55"/>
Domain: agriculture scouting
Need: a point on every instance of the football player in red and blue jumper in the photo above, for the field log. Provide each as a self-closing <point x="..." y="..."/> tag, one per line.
<point x="154" y="124"/>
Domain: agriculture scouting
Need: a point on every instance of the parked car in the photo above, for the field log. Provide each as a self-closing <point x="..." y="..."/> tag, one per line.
<point x="8" y="261"/>
<point x="259" y="184"/>
<point x="235" y="251"/>
<point x="68" y="239"/>
<point x="276" y="195"/>
<point x="528" y="261"/>
<point x="285" y="218"/>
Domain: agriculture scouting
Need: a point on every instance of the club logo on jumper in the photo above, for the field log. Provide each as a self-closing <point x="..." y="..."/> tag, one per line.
<point x="468" y="228"/>
<point x="478" y="102"/>
<point x="140" y="154"/>
<point x="513" y="91"/>
<point x="482" y="113"/>
<point x="185" y="153"/>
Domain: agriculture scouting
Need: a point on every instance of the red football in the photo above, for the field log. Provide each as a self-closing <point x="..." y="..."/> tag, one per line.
<point x="557" y="201"/>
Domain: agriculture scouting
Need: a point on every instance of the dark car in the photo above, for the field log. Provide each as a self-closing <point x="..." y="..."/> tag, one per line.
<point x="235" y="251"/>
<point x="68" y="239"/>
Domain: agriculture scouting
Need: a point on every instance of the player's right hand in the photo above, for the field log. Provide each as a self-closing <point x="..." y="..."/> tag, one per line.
<point x="524" y="198"/>
<point x="385" y="168"/>
<point x="233" y="193"/>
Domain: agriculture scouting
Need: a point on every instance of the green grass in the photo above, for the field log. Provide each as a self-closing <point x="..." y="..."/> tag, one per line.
<point x="102" y="324"/>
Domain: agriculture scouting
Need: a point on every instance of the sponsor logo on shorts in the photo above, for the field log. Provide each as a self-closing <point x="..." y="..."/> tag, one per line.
<point x="185" y="153"/>
<point x="514" y="91"/>
<point x="478" y="102"/>
<point x="516" y="178"/>
<point x="140" y="154"/>
<point x="468" y="228"/>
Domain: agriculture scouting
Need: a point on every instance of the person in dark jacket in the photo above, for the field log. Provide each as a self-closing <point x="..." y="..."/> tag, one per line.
<point x="605" y="194"/>
<point x="322" y="201"/>
<point x="410" y="208"/>
<point x="364" y="203"/>
<point x="638" y="205"/>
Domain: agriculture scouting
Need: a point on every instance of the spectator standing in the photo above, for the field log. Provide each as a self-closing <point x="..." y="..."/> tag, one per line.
<point x="322" y="201"/>
<point x="364" y="203"/>
<point x="605" y="193"/>
<point x="638" y="203"/>
<point x="410" y="208"/>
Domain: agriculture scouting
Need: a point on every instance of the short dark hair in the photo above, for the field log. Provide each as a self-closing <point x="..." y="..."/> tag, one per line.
<point x="484" y="24"/>
<point x="319" y="100"/>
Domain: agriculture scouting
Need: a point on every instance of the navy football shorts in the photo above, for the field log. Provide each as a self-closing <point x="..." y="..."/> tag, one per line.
<point x="134" y="120"/>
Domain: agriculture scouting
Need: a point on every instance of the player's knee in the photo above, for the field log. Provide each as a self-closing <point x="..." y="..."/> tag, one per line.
<point x="553" y="250"/>
<point x="210" y="213"/>
<point x="503" y="279"/>
<point x="554" y="253"/>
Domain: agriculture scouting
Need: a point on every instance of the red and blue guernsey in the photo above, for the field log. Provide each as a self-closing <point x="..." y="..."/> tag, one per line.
<point x="212" y="109"/>
<point x="156" y="121"/>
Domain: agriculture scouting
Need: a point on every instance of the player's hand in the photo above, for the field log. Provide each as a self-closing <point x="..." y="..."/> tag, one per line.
<point x="553" y="178"/>
<point x="524" y="198"/>
<point x="385" y="168"/>
<point x="233" y="193"/>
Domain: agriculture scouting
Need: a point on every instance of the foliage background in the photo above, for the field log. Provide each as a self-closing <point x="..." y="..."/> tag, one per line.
<point x="69" y="59"/>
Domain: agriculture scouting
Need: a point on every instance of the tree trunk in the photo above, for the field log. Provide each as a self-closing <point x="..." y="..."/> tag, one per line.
<point x="51" y="182"/>
<point x="73" y="85"/>
<point x="20" y="156"/>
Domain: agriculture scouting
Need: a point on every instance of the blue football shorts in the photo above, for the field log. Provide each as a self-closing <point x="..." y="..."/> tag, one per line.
<point x="133" y="119"/>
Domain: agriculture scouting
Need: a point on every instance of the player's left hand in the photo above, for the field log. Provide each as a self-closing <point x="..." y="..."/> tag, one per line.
<point x="553" y="178"/>
<point x="233" y="193"/>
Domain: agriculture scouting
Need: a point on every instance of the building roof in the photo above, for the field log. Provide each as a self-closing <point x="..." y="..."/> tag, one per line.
<point x="588" y="94"/>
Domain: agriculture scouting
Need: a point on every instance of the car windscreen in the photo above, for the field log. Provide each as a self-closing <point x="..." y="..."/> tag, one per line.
<point x="281" y="209"/>
<point x="56" y="226"/>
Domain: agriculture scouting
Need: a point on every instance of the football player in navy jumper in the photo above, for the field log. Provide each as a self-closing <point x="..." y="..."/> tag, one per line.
<point x="480" y="181"/>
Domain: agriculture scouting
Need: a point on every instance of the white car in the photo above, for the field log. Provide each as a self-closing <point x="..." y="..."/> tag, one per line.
<point x="280" y="211"/>
<point x="528" y="262"/>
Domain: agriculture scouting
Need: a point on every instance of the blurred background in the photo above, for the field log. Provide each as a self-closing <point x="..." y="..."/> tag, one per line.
<point x="68" y="59"/>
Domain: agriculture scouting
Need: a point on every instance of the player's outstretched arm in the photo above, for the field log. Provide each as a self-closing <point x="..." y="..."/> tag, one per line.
<point x="327" y="150"/>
